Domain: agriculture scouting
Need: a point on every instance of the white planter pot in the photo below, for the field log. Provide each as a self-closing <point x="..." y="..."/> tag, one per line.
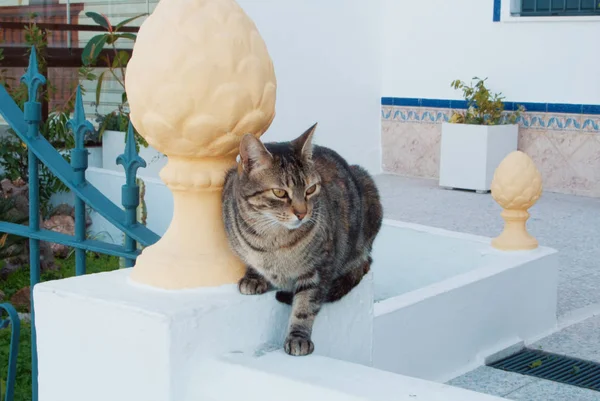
<point x="470" y="154"/>
<point x="94" y="156"/>
<point x="113" y="144"/>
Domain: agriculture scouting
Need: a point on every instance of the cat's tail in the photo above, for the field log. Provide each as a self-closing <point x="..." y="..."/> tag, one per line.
<point x="339" y="288"/>
<point x="345" y="283"/>
<point x="372" y="208"/>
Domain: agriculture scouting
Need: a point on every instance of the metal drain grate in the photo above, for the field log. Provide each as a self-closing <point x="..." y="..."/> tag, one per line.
<point x="558" y="368"/>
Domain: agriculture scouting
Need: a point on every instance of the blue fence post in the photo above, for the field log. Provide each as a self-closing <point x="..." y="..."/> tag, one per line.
<point x="130" y="192"/>
<point x="33" y="116"/>
<point x="79" y="162"/>
<point x="15" y="332"/>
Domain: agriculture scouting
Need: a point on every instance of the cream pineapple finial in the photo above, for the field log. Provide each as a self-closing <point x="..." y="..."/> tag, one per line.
<point x="212" y="83"/>
<point x="517" y="186"/>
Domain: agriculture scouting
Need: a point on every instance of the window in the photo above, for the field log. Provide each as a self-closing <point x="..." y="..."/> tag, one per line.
<point x="549" y="8"/>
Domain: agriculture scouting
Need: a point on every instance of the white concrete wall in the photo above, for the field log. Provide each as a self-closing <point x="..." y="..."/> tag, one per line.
<point x="452" y="315"/>
<point x="267" y="377"/>
<point x="429" y="255"/>
<point x="327" y="57"/>
<point x="427" y="44"/>
<point x="146" y="344"/>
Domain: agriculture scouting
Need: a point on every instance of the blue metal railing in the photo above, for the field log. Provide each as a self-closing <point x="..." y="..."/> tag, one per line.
<point x="26" y="125"/>
<point x="15" y="331"/>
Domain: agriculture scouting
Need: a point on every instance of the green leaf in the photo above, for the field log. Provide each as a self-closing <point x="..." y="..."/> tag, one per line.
<point x="99" y="87"/>
<point x="100" y="19"/>
<point x="121" y="59"/>
<point x="127" y="21"/>
<point x="93" y="48"/>
<point x="536" y="364"/>
<point x="124" y="97"/>
<point x="130" y="36"/>
<point x="111" y="39"/>
<point x="102" y="127"/>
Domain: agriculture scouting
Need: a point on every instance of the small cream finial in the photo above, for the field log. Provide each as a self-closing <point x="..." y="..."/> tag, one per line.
<point x="517" y="186"/>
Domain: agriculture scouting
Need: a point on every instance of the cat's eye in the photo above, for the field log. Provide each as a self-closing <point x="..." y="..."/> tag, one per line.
<point x="311" y="190"/>
<point x="280" y="193"/>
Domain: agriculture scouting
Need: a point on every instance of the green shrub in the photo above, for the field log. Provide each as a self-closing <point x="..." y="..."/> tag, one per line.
<point x="483" y="106"/>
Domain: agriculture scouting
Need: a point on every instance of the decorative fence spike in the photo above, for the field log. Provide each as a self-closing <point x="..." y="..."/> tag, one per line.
<point x="79" y="124"/>
<point x="130" y="192"/>
<point x="32" y="78"/>
<point x="79" y="162"/>
<point x="130" y="159"/>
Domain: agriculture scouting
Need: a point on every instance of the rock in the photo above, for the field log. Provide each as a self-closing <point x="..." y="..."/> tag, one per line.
<point x="18" y="255"/>
<point x="18" y="192"/>
<point x="47" y="257"/>
<point x="22" y="299"/>
<point x="64" y="225"/>
<point x="63" y="210"/>
<point x="67" y="210"/>
<point x="24" y="317"/>
<point x="11" y="265"/>
<point x="19" y="182"/>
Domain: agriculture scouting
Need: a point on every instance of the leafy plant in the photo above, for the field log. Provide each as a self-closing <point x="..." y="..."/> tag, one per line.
<point x="483" y="106"/>
<point x="116" y="60"/>
<point x="13" y="153"/>
<point x="11" y="244"/>
<point x="14" y="161"/>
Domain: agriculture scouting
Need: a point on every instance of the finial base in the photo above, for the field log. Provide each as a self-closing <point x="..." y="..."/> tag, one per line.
<point x="515" y="236"/>
<point x="194" y="251"/>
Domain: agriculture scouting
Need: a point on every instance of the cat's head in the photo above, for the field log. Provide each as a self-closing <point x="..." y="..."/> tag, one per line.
<point x="278" y="181"/>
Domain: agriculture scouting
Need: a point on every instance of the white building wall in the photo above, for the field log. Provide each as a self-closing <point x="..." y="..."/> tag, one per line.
<point x="427" y="44"/>
<point x="327" y="57"/>
<point x="548" y="63"/>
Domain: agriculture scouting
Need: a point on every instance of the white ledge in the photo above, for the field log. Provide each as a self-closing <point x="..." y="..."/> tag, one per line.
<point x="275" y="376"/>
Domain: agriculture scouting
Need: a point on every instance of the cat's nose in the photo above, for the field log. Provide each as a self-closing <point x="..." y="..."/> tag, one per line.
<point x="300" y="215"/>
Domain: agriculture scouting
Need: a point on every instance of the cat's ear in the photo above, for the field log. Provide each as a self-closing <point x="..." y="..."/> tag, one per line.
<point x="253" y="154"/>
<point x="303" y="143"/>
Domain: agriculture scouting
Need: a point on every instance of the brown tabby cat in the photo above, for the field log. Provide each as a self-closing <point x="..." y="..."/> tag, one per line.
<point x="303" y="221"/>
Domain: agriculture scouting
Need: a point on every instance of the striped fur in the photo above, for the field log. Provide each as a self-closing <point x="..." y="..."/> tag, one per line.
<point x="304" y="222"/>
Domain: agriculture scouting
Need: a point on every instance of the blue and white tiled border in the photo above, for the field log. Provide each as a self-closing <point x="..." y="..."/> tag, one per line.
<point x="543" y="116"/>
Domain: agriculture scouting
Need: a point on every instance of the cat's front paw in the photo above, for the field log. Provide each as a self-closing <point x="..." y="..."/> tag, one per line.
<point x="253" y="285"/>
<point x="298" y="346"/>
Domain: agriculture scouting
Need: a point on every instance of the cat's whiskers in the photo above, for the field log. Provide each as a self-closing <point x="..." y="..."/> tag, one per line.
<point x="262" y="224"/>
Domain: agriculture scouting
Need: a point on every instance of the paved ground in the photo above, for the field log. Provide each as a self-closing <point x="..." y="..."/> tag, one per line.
<point x="567" y="223"/>
<point x="518" y="387"/>
<point x="580" y="340"/>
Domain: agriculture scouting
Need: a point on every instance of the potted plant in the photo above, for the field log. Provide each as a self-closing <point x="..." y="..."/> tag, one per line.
<point x="113" y="144"/>
<point x="476" y="140"/>
<point x="113" y="126"/>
